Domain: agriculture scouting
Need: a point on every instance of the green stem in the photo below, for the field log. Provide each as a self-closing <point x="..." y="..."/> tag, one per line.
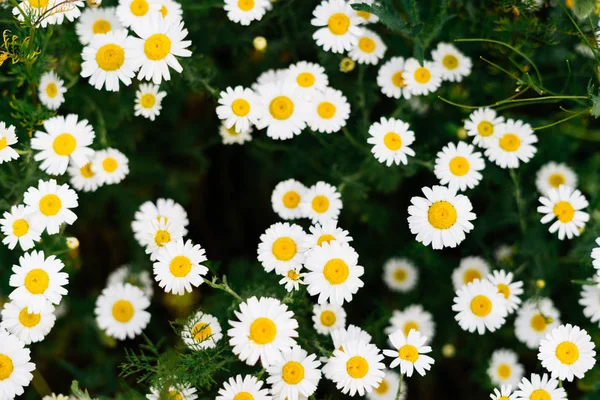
<point x="516" y="78"/>
<point x="399" y="392"/>
<point x="539" y="128"/>
<point x="352" y="140"/>
<point x="518" y="198"/>
<point x="223" y="286"/>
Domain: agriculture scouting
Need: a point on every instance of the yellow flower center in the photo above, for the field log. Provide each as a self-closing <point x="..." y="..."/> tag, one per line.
<point x="51" y="90"/>
<point x="305" y="79"/>
<point x="470" y="275"/>
<point x="538" y="323"/>
<point x="64" y="144"/>
<point x="284" y="248"/>
<point x="442" y="215"/>
<point x="326" y="110"/>
<point x="357" y="367"/>
<point x="157" y="47"/>
<point x="459" y="166"/>
<point x="398" y="79"/>
<point x="201" y="331"/>
<point x="281" y="107"/>
<point x="175" y="395"/>
<point x="50" y="205"/>
<point x="39" y="3"/>
<point x="109" y="164"/>
<point x="555" y="180"/>
<point x="481" y="305"/>
<point x="292" y="372"/>
<point x="510" y="142"/>
<point x="148" y="100"/>
<point x="336" y="271"/>
<point x="328" y="318"/>
<point x="6" y="367"/>
<point x="232" y="131"/>
<point x="450" y="62"/>
<point x="338" y="24"/>
<point x="400" y="275"/>
<point x="161" y="237"/>
<point x="504" y="371"/>
<point x="123" y="311"/>
<point x="86" y="171"/>
<point x="325" y="238"/>
<point x="410" y="325"/>
<point x="567" y="353"/>
<point x="320" y="204"/>
<point x="164" y="11"/>
<point x="540" y="394"/>
<point x="504" y="289"/>
<point x="240" y="107"/>
<point x="243" y="396"/>
<point x="291" y="199"/>
<point x="392" y="141"/>
<point x="564" y="211"/>
<point x="409" y="353"/>
<point x="20" y="227"/>
<point x="366" y="44"/>
<point x="29" y="320"/>
<point x="139" y="8"/>
<point x="382" y="388"/>
<point x="263" y="330"/>
<point x="110" y="57"/>
<point x="293" y="274"/>
<point x="363" y="14"/>
<point x="422" y="75"/>
<point x="485" y="128"/>
<point x="3" y="143"/>
<point x="180" y="266"/>
<point x="246" y="5"/>
<point x="101" y="26"/>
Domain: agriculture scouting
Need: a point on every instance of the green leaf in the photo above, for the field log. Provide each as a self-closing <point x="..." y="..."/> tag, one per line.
<point x="387" y="16"/>
<point x="583" y="8"/>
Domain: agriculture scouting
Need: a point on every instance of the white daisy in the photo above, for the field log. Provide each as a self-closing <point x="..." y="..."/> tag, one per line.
<point x="511" y="144"/>
<point x="590" y="299"/>
<point x="325" y="232"/>
<point x="482" y="124"/>
<point x="263" y="329"/>
<point x="296" y="373"/>
<point x="338" y="26"/>
<point x="504" y="254"/>
<point x="540" y="387"/>
<point x="329" y="110"/>
<point x="535" y="319"/>
<point x="352" y="333"/>
<point x="321" y="202"/>
<point x="510" y="289"/>
<point x="469" y="269"/>
<point x="564" y="204"/>
<point x="148" y="101"/>
<point x="18" y="227"/>
<point x="96" y="21"/>
<point x="164" y="208"/>
<point x="245" y="11"/>
<point x="504" y="368"/>
<point x="452" y="64"/>
<point x="51" y="205"/>
<point x="413" y="317"/>
<point x="307" y="78"/>
<point x="400" y="274"/>
<point x="161" y="40"/>
<point x="505" y="393"/>
<point x="159" y="233"/>
<point x="596" y="255"/>
<point x="110" y="165"/>
<point x="390" y="79"/>
<point x="420" y="79"/>
<point x="370" y="49"/>
<point x="49" y="12"/>
<point x="368" y="18"/>
<point x="133" y="12"/>
<point x="202" y="331"/>
<point x="409" y="352"/>
<point x="65" y="139"/>
<point x="139" y="278"/>
<point x="180" y="392"/>
<point x="275" y="76"/>
<point x="282" y="247"/>
<point x="121" y="311"/>
<point x="391" y="139"/>
<point x="243" y="388"/>
<point x="441" y="218"/>
<point x="15" y="366"/>
<point x="38" y="282"/>
<point x="84" y="178"/>
<point x="292" y="279"/>
<point x="7" y="139"/>
<point x="177" y="267"/>
<point x="552" y="175"/>
<point x="567" y="352"/>
<point x="238" y="108"/>
<point x="51" y="90"/>
<point x="479" y="307"/>
<point x="388" y="388"/>
<point x="282" y="111"/>
<point x="328" y="317"/>
<point x="28" y="327"/>
<point x="286" y="198"/>
<point x="171" y="10"/>
<point x="230" y="136"/>
<point x="458" y="166"/>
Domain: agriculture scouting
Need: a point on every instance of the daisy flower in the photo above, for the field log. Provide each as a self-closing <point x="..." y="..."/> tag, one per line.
<point x="307" y="78"/>
<point x="326" y="232"/>
<point x="328" y="317"/>
<point x="479" y="307"/>
<point x="596" y="255"/>
<point x="18" y="227"/>
<point x="370" y="49"/>
<point x="400" y="274"/>
<point x="338" y="26"/>
<point x="96" y="21"/>
<point x="245" y="11"/>
<point x="15" y="366"/>
<point x="238" y="108"/>
<point x="329" y="111"/>
<point x="564" y="204"/>
<point x="567" y="352"/>
<point x="321" y="202"/>
<point x="413" y="317"/>
<point x="511" y="290"/>
<point x="180" y="392"/>
<point x="159" y="233"/>
<point x="504" y="254"/>
<point x="28" y="327"/>
<point x="164" y="208"/>
<point x="409" y="352"/>
<point x="286" y="198"/>
<point x="390" y="79"/>
<point x="356" y="369"/>
<point x="38" y="282"/>
<point x="7" y="139"/>
<point x="391" y="139"/>
<point x="275" y="76"/>
<point x="452" y="64"/>
<point x="108" y="59"/>
<point x="230" y="136"/>
<point x="282" y="111"/>
<point x="242" y="388"/>
<point x="504" y="368"/>
<point x="203" y="331"/>
<point x="134" y="12"/>
<point x="171" y="10"/>
<point x="590" y="300"/>
<point x="160" y="41"/>
<point x="49" y="12"/>
<point x="51" y="205"/>
<point x="540" y="387"/>
<point x="458" y="166"/>
<point x="368" y="18"/>
<point x="505" y="393"/>
<point x="482" y="124"/>
<point x="388" y="388"/>
<point x="140" y="279"/>
<point x="441" y="218"/>
<point x="296" y="373"/>
<point x="282" y="247"/>
<point x="51" y="90"/>
<point x="553" y="175"/>
<point x="292" y="279"/>
<point x="352" y="333"/>
<point x="121" y="311"/>
<point x="148" y="101"/>
<point x="469" y="269"/>
<point x="84" y="178"/>
<point x="263" y="329"/>
<point x="420" y="79"/>
<point x="64" y="139"/>
<point x="333" y="273"/>
<point x="177" y="267"/>
<point x="110" y="165"/>
<point x="511" y="144"/>
<point x="534" y="320"/>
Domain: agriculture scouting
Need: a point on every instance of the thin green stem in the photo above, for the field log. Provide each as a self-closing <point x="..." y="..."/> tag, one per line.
<point x="539" y="128"/>
<point x="353" y="141"/>
<point x="592" y="49"/>
<point x="518" y="199"/>
<point x="516" y="78"/>
<point x="399" y="392"/>
<point x="223" y="286"/>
